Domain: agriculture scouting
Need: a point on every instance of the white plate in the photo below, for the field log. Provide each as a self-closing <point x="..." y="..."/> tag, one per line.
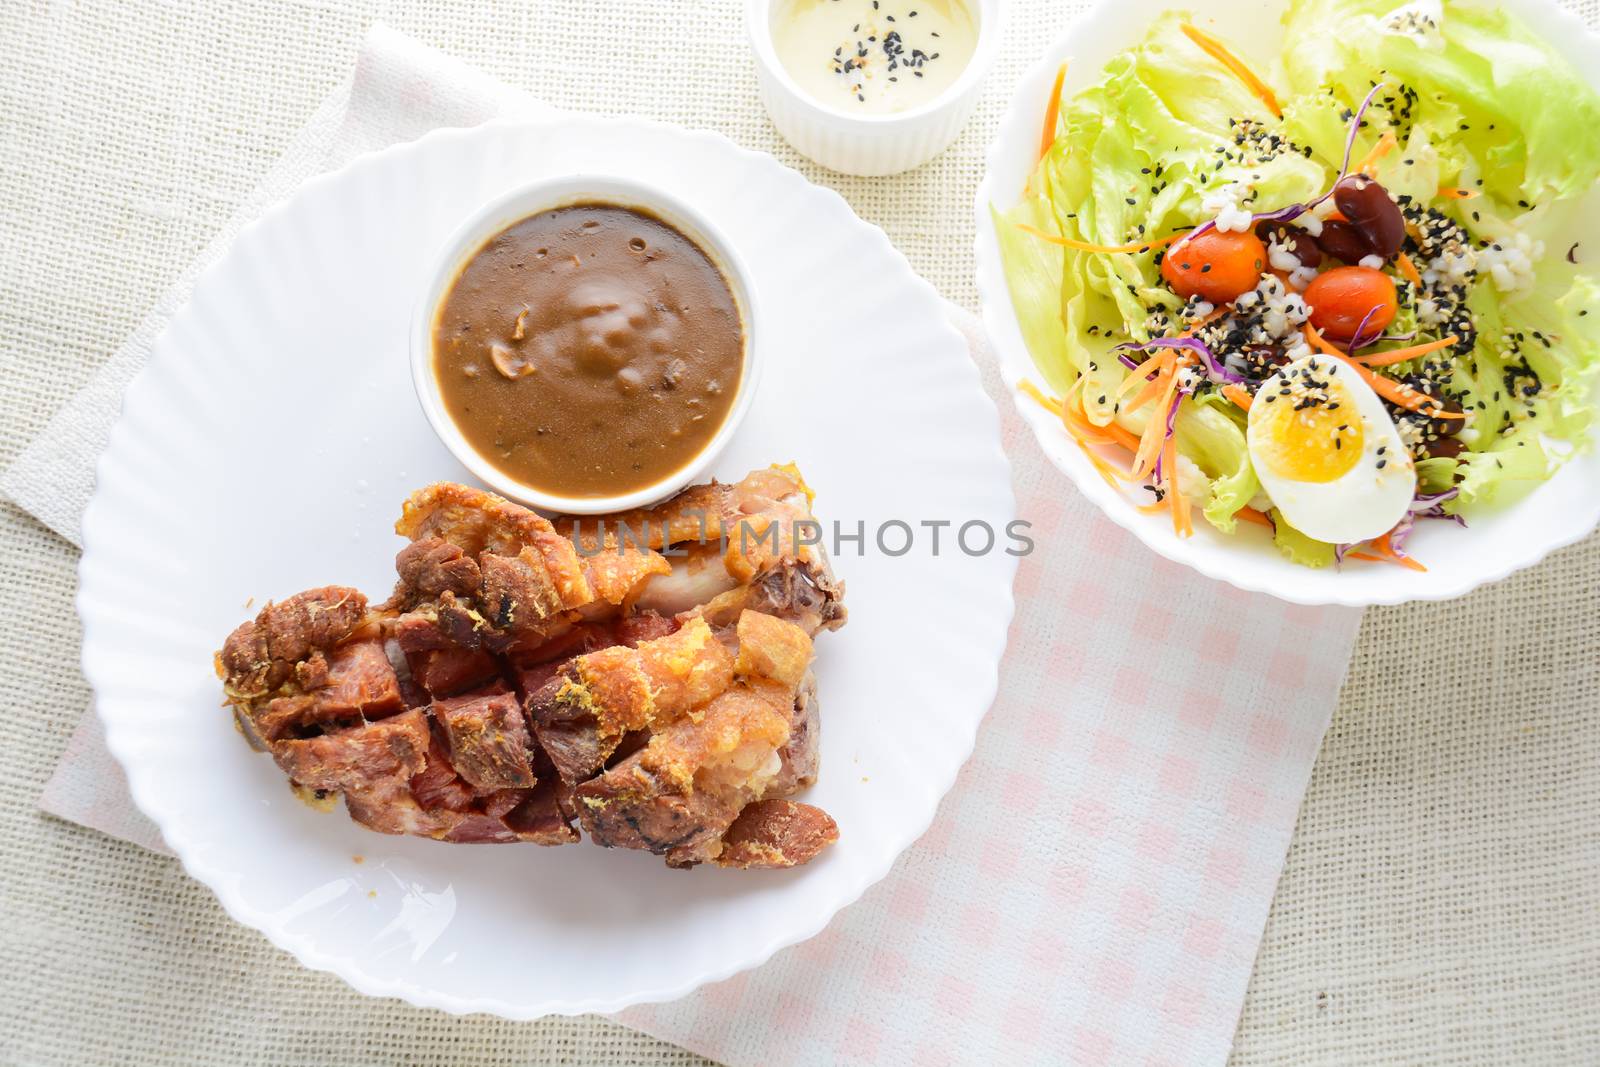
<point x="267" y="446"/>
<point x="1498" y="542"/>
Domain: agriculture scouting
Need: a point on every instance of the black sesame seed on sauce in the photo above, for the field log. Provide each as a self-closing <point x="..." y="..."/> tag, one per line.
<point x="875" y="55"/>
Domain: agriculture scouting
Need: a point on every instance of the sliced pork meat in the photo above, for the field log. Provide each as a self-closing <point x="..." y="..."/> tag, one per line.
<point x="540" y="817"/>
<point x="517" y="591"/>
<point x="489" y="743"/>
<point x="776" y="833"/>
<point x="635" y="630"/>
<point x="556" y="577"/>
<point x="653" y="688"/>
<point x="357" y="758"/>
<point x="360" y="682"/>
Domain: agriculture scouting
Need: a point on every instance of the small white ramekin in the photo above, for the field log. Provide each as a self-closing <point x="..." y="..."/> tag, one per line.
<point x="531" y="199"/>
<point x="869" y="145"/>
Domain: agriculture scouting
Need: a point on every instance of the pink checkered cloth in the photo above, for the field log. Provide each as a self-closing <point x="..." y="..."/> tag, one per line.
<point x="1094" y="888"/>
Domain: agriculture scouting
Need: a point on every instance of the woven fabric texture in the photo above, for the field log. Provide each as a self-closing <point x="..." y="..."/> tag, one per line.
<point x="1439" y="900"/>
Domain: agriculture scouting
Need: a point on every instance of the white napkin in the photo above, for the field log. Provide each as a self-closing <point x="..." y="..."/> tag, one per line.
<point x="1095" y="886"/>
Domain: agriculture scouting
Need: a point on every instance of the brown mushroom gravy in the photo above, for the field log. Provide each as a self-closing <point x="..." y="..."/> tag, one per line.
<point x="589" y="350"/>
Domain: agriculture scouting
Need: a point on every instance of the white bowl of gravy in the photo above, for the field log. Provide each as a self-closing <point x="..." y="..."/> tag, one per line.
<point x="872" y="87"/>
<point x="585" y="344"/>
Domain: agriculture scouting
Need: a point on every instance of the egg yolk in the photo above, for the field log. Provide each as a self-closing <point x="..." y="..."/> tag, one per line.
<point x="1309" y="435"/>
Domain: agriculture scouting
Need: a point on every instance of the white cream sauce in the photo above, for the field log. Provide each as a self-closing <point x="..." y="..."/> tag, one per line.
<point x="874" y="57"/>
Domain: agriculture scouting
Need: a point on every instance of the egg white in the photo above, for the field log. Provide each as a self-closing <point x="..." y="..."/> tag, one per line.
<point x="1364" y="502"/>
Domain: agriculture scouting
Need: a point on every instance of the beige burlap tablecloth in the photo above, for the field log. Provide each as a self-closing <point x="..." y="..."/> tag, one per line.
<point x="1441" y="896"/>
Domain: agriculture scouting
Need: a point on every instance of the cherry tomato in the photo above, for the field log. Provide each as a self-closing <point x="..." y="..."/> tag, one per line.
<point x="1344" y="296"/>
<point x="1215" y="266"/>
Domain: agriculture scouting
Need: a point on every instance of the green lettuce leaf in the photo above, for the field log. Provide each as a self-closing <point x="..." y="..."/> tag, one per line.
<point x="1032" y="269"/>
<point x="1209" y="435"/>
<point x="1518" y="440"/>
<point x="1482" y="77"/>
<point x="1297" y="547"/>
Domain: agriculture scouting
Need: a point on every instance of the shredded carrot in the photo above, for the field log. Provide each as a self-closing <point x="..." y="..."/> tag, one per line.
<point x="1450" y="192"/>
<point x="1383" y="552"/>
<point x="1052" y="112"/>
<point x="1072" y="415"/>
<point x="1391" y="390"/>
<point x="1252" y="515"/>
<point x="1153" y="389"/>
<point x="1050" y="404"/>
<point x="1238" y="395"/>
<point x="1088" y="246"/>
<point x="1400" y="355"/>
<point x="1070" y="409"/>
<point x="1161" y="361"/>
<point x="1076" y="428"/>
<point x="1088" y="432"/>
<point x="1180" y="503"/>
<point x="1219" y="51"/>
<point x="1385" y="145"/>
<point x="1155" y="432"/>
<point x="1409" y="269"/>
<point x="1122" y="437"/>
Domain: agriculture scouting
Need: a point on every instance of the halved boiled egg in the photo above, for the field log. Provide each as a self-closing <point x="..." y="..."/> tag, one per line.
<point x="1328" y="454"/>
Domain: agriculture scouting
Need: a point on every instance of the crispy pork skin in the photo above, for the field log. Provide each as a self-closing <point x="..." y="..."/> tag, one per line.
<point x="681" y="792"/>
<point x="582" y="713"/>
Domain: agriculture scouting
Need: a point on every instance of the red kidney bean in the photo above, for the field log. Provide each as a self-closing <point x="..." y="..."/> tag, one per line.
<point x="1443" y="448"/>
<point x="1371" y="211"/>
<point x="1442" y="428"/>
<point x="1298" y="241"/>
<point x="1344" y="242"/>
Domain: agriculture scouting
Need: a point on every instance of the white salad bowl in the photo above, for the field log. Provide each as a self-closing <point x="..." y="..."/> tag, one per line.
<point x="1497" y="540"/>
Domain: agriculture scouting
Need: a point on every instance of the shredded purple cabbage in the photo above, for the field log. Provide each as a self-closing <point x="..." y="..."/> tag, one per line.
<point x="1355" y="338"/>
<point x="1216" y="370"/>
<point x="1425" y="506"/>
<point x="1349" y="145"/>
